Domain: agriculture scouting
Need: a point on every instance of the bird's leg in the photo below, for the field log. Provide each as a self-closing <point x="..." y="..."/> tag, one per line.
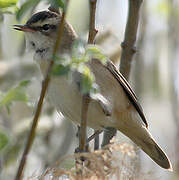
<point x="96" y="142"/>
<point x="108" y="136"/>
<point x="96" y="133"/>
<point x="78" y="131"/>
<point x="93" y="136"/>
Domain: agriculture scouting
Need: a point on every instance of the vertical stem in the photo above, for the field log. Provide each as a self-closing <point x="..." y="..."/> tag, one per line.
<point x="128" y="45"/>
<point x="31" y="136"/>
<point x="86" y="99"/>
<point x="45" y="84"/>
<point x="91" y="37"/>
<point x="139" y="63"/>
<point x="96" y="142"/>
<point x="83" y="126"/>
<point x="92" y="30"/>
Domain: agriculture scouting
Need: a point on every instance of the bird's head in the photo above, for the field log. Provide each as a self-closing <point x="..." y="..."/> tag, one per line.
<point x="41" y="32"/>
<point x="41" y="29"/>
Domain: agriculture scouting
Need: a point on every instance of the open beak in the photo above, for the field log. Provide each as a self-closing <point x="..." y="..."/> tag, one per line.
<point x="24" y="28"/>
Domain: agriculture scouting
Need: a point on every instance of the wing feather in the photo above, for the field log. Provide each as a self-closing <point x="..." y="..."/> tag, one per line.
<point x="127" y="89"/>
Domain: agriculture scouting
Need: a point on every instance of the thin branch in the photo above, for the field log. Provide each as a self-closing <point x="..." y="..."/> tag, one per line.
<point x="91" y="37"/>
<point x="83" y="125"/>
<point x="128" y="50"/>
<point x="45" y="84"/>
<point x="92" y="29"/>
<point x="82" y="135"/>
<point x="86" y="99"/>
<point x="128" y="45"/>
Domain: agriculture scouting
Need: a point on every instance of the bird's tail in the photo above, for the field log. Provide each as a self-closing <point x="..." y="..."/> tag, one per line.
<point x="147" y="143"/>
<point x="150" y="147"/>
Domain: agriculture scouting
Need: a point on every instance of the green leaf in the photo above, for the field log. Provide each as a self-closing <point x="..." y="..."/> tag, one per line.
<point x="79" y="60"/>
<point x="57" y="3"/>
<point x="87" y="80"/>
<point x="94" y="52"/>
<point x="3" y="140"/>
<point x="93" y="49"/>
<point x="59" y="70"/>
<point x="28" y="5"/>
<point x="7" y="3"/>
<point x="15" y="94"/>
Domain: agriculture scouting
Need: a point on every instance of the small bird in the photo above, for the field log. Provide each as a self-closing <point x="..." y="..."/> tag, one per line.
<point x="115" y="106"/>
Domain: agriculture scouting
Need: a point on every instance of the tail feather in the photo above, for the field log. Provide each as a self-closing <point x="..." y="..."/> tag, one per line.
<point x="151" y="148"/>
<point x="145" y="141"/>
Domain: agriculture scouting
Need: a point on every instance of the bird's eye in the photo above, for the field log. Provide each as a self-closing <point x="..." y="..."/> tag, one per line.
<point x="46" y="27"/>
<point x="32" y="43"/>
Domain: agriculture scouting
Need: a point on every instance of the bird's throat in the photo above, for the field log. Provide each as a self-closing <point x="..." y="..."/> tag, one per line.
<point x="42" y="50"/>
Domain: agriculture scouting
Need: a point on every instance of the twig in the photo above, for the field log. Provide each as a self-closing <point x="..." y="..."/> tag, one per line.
<point x="91" y="37"/>
<point x="82" y="134"/>
<point x="128" y="49"/>
<point x="40" y="102"/>
<point x="92" y="29"/>
<point x="86" y="99"/>
<point x="128" y="45"/>
<point x="83" y="126"/>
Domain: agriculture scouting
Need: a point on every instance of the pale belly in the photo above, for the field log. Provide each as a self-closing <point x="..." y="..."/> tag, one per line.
<point x="67" y="99"/>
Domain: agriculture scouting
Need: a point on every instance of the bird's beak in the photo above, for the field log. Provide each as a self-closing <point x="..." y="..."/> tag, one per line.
<point x="24" y="28"/>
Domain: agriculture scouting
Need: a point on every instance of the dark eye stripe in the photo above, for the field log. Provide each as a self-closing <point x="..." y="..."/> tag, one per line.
<point x="52" y="26"/>
<point x="41" y="28"/>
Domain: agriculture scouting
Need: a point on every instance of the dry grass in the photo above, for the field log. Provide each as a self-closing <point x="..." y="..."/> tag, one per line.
<point x="102" y="164"/>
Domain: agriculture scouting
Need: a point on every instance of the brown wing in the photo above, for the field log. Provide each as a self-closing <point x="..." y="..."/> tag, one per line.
<point x="127" y="89"/>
